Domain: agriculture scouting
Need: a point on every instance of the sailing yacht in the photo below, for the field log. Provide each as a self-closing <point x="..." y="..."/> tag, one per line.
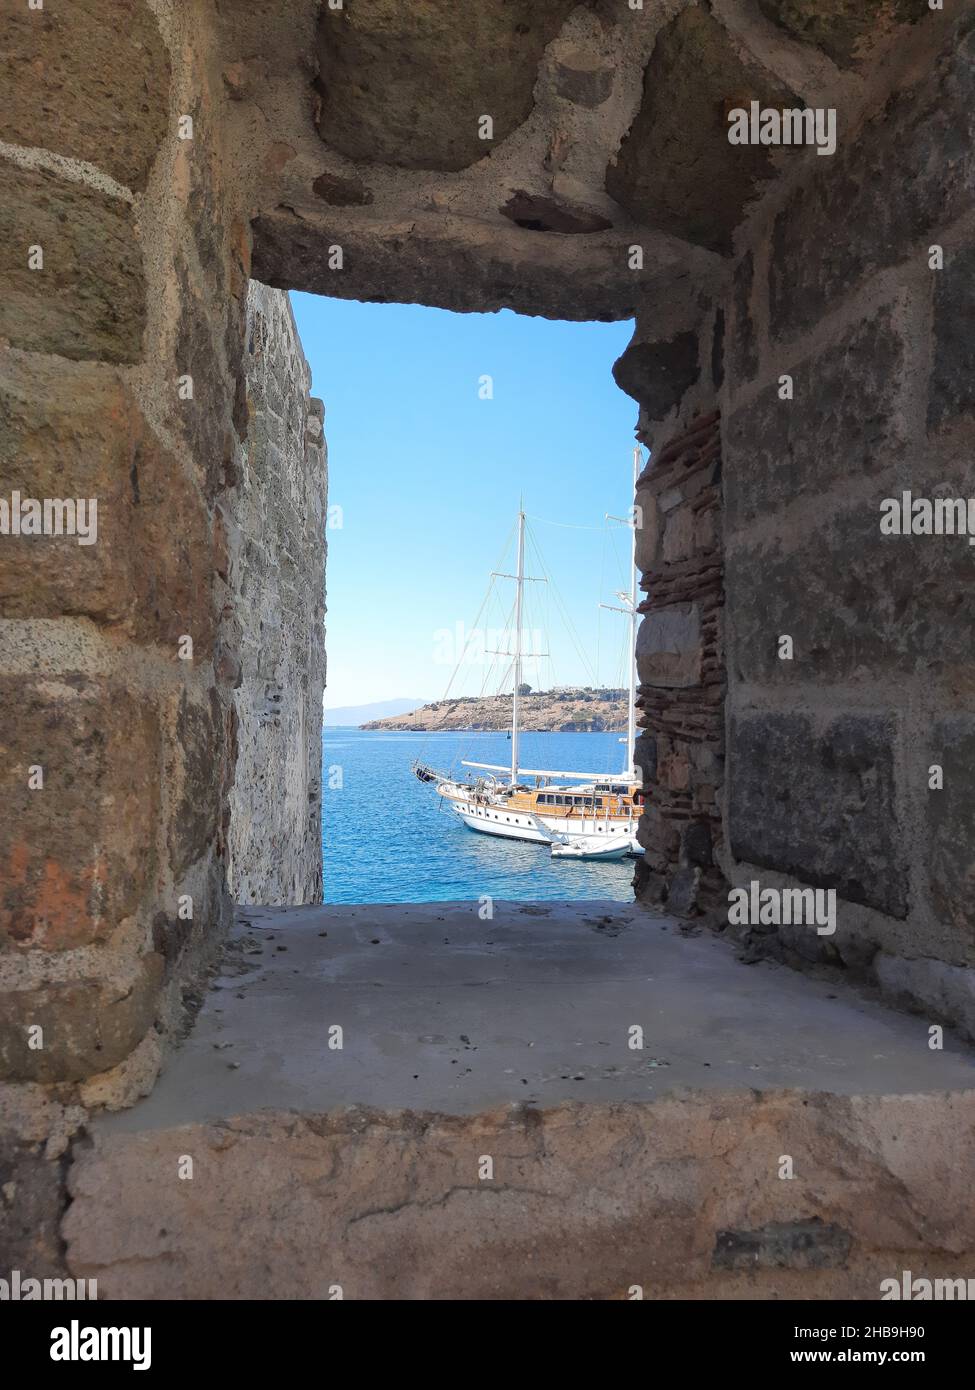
<point x="581" y="815"/>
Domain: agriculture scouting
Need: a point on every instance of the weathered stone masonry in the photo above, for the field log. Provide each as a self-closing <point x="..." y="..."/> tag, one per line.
<point x="275" y="836"/>
<point x="825" y="782"/>
<point x="169" y="782"/>
<point x="124" y="375"/>
<point x="680" y="662"/>
<point x="830" y="753"/>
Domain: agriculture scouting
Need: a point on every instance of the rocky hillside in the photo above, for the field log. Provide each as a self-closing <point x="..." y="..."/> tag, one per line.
<point x="576" y="710"/>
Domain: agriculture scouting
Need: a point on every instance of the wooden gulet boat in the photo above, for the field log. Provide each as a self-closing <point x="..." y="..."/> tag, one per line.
<point x="581" y="815"/>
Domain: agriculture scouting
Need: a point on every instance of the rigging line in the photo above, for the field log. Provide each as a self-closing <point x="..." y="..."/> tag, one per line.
<point x="563" y="611"/>
<point x="616" y="556"/>
<point x="573" y="634"/>
<point x="566" y="525"/>
<point x="463" y="653"/>
<point x="491" y="666"/>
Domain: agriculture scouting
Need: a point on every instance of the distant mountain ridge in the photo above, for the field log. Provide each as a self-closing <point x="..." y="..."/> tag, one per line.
<point x="352" y="716"/>
<point x="575" y="709"/>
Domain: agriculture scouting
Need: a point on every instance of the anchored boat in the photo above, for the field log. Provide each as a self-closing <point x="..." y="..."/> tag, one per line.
<point x="581" y="815"/>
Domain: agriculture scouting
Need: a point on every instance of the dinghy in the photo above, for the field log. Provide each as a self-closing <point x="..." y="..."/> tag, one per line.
<point x="591" y="847"/>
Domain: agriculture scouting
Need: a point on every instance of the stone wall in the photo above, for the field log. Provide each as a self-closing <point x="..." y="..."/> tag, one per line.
<point x="275" y="838"/>
<point x="124" y="264"/>
<point x="830" y="752"/>
<point x="680" y="663"/>
<point x="673" y="369"/>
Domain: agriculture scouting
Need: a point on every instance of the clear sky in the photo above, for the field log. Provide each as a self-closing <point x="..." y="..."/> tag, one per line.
<point x="428" y="477"/>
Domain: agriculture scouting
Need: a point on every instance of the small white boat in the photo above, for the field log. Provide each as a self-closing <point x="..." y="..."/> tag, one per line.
<point x="591" y="847"/>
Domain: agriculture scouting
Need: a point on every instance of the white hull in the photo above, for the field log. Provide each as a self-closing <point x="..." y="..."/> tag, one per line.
<point x="510" y="824"/>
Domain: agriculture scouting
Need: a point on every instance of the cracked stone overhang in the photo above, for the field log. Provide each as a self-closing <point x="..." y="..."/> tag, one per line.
<point x="445" y="236"/>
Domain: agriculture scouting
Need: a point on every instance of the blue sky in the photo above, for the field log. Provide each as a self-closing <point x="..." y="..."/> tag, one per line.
<point x="428" y="477"/>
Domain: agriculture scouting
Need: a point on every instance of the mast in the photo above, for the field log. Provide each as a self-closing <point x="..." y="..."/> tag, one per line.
<point x="520" y="578"/>
<point x="630" y="768"/>
<point x="630" y="600"/>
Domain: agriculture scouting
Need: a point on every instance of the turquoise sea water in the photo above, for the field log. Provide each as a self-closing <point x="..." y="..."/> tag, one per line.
<point x="387" y="840"/>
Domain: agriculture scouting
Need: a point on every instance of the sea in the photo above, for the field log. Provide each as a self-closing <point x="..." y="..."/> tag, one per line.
<point x="387" y="838"/>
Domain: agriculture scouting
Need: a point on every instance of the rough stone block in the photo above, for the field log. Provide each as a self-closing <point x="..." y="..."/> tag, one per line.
<point x="951" y="833"/>
<point x="78" y="851"/>
<point x="669" y="648"/>
<point x="87" y="1026"/>
<point x="32" y="1198"/>
<point x="843" y="29"/>
<point x="88" y="301"/>
<point x="649" y="531"/>
<point x="676" y="170"/>
<point x="744" y="347"/>
<point x="853" y="601"/>
<point x="841" y="422"/>
<point x="206" y="421"/>
<point x="72" y="431"/>
<point x="811" y="1244"/>
<point x="906" y="174"/>
<point x="194" y="788"/>
<point x="656" y="375"/>
<point x="819" y="804"/>
<point x="582" y="79"/>
<point x="952" y="389"/>
<point x="86" y="80"/>
<point x="679" y="533"/>
<point x="476" y="62"/>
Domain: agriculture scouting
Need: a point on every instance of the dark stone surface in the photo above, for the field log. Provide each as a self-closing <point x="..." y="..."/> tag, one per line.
<point x="676" y="170"/>
<point x="195" y="819"/>
<point x="342" y="193"/>
<point x="32" y="1198"/>
<point x="657" y="374"/>
<point x="682" y="891"/>
<point x="952" y="391"/>
<point x="843" y="29"/>
<point x="406" y="84"/>
<point x="206" y="420"/>
<point x="819" y="804"/>
<point x="717" y="350"/>
<point x="744" y="349"/>
<point x="852" y="600"/>
<point x="903" y="177"/>
<point x="538" y="214"/>
<point x="813" y="1244"/>
<point x="88" y="302"/>
<point x="86" y="80"/>
<point x="951" y="831"/>
<point x="839" y="424"/>
<point x="696" y="844"/>
<point x="583" y="81"/>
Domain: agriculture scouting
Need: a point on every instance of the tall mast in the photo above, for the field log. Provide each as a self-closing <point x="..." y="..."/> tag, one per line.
<point x="630" y="768"/>
<point x="520" y="577"/>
